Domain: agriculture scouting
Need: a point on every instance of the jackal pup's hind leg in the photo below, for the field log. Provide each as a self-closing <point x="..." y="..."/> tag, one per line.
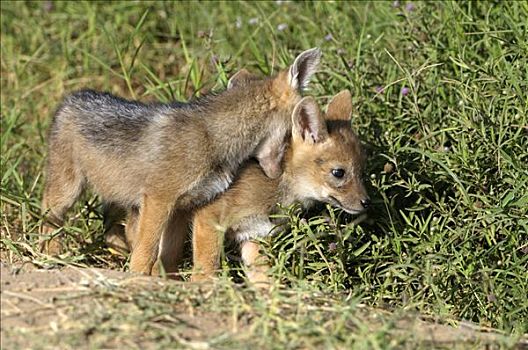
<point x="64" y="184"/>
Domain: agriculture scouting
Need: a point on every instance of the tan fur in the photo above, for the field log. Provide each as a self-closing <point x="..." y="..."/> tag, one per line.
<point x="315" y="150"/>
<point x="257" y="264"/>
<point x="182" y="158"/>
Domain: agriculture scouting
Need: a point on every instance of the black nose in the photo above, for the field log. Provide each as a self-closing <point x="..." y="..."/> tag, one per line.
<point x="365" y="202"/>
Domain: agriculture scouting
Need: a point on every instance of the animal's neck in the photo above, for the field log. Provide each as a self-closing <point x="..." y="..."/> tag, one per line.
<point x="238" y="124"/>
<point x="288" y="186"/>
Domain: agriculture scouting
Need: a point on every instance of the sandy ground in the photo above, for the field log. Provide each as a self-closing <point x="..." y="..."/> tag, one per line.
<point x="58" y="309"/>
<point x="41" y="308"/>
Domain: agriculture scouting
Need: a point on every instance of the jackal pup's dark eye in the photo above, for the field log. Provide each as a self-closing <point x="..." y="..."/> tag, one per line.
<point x="339" y="173"/>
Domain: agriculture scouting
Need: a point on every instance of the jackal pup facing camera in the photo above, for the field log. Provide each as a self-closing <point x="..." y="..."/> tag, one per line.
<point x="323" y="163"/>
<point x="159" y="161"/>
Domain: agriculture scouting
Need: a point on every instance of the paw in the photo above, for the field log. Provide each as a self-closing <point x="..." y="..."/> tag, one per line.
<point x="50" y="242"/>
<point x="51" y="247"/>
<point x="259" y="279"/>
<point x="199" y="276"/>
<point x="139" y="265"/>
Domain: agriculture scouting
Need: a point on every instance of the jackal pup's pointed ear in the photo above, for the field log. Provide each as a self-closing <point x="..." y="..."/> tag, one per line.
<point x="239" y="78"/>
<point x="340" y="107"/>
<point x="302" y="69"/>
<point x="308" y="122"/>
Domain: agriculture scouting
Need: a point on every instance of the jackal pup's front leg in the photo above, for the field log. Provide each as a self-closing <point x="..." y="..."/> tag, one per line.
<point x="172" y="244"/>
<point x="154" y="216"/>
<point x="257" y="264"/>
<point x="207" y="246"/>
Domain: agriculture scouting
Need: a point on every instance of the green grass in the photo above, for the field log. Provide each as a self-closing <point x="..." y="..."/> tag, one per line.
<point x="448" y="232"/>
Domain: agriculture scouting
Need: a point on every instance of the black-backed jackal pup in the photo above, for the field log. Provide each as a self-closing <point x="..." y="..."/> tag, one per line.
<point x="324" y="162"/>
<point x="160" y="161"/>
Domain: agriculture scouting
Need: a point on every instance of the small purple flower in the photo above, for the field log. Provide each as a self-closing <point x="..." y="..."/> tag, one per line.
<point x="409" y="7"/>
<point x="329" y="37"/>
<point x="48" y="6"/>
<point x="332" y="247"/>
<point x="379" y="89"/>
<point x="253" y="21"/>
<point x="405" y="91"/>
<point x="282" y="27"/>
<point x="214" y="60"/>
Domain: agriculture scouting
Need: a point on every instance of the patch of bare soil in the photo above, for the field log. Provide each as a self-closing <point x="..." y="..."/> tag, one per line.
<point x="68" y="308"/>
<point x="95" y="308"/>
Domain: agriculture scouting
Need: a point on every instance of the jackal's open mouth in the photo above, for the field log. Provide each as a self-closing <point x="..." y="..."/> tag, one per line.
<point x="334" y="201"/>
<point x="337" y="203"/>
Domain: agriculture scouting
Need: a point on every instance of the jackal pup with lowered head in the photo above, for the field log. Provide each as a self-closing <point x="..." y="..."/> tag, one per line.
<point x="324" y="163"/>
<point x="159" y="161"/>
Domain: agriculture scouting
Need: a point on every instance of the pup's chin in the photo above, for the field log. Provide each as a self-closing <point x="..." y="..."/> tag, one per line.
<point x="332" y="200"/>
<point x="353" y="211"/>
